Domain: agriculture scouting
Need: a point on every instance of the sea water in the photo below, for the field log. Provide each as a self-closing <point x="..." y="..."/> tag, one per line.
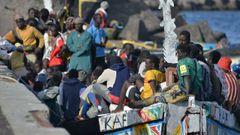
<point x="220" y="21"/>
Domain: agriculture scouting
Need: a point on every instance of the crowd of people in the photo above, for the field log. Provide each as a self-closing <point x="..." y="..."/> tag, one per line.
<point x="77" y="80"/>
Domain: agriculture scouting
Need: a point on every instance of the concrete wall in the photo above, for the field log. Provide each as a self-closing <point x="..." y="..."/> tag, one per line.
<point x="25" y="114"/>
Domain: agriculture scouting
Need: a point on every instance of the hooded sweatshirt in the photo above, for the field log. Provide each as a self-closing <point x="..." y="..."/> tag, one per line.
<point x="69" y="97"/>
<point x="115" y="76"/>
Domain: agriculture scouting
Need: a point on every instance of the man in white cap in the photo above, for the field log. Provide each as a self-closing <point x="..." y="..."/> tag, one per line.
<point x="102" y="11"/>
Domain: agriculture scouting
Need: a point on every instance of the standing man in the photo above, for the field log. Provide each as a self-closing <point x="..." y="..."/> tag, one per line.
<point x="100" y="39"/>
<point x="80" y="44"/>
<point x="102" y="11"/>
<point x="31" y="39"/>
<point x="189" y="72"/>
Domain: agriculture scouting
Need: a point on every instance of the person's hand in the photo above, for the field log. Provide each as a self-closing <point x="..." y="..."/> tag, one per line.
<point x="19" y="49"/>
<point x="79" y="118"/>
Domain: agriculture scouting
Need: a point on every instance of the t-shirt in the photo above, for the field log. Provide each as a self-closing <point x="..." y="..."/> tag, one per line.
<point x="151" y="75"/>
<point x="233" y="90"/>
<point x="190" y="67"/>
<point x="28" y="35"/>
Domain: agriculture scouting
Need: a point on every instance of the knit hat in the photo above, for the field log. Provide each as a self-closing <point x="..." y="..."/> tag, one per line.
<point x="225" y="63"/>
<point x="104" y="5"/>
<point x="70" y="20"/>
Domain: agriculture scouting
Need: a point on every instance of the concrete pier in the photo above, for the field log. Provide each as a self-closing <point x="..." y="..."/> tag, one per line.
<point x="23" y="113"/>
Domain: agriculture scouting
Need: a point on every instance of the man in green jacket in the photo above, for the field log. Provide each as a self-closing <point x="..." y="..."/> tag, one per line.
<point x="80" y="44"/>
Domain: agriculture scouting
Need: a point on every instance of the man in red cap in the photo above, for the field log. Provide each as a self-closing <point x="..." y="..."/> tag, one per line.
<point x="232" y="98"/>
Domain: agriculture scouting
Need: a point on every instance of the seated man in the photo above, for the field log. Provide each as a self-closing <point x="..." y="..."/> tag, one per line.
<point x="146" y="88"/>
<point x="232" y="98"/>
<point x="114" y="77"/>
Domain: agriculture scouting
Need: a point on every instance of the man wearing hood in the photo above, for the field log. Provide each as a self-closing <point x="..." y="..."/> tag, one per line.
<point x="114" y="76"/>
<point x="69" y="95"/>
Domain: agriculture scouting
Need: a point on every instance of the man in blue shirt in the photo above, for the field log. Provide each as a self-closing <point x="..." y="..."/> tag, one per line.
<point x="100" y="39"/>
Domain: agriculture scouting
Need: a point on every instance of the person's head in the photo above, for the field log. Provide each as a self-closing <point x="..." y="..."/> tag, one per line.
<point x="69" y="23"/>
<point x="82" y="76"/>
<point x="44" y="14"/>
<point x="31" y="13"/>
<point x="55" y="79"/>
<point x="236" y="70"/>
<point x="144" y="54"/>
<point x="184" y="37"/>
<point x="78" y="23"/>
<point x="104" y="5"/>
<point x="73" y="73"/>
<point x="128" y="48"/>
<point x="38" y="66"/>
<point x="194" y="51"/>
<point x="50" y="72"/>
<point x="97" y="20"/>
<point x="225" y="63"/>
<point x="54" y="30"/>
<point x="152" y="62"/>
<point x="200" y="48"/>
<point x="21" y="24"/>
<point x="96" y="73"/>
<point x="183" y="51"/>
<point x="30" y="78"/>
<point x="38" y="86"/>
<point x="32" y="22"/>
<point x="214" y="57"/>
<point x="114" y="60"/>
<point x="45" y="63"/>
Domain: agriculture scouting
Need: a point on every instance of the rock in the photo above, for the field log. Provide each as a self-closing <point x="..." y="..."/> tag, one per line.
<point x="180" y="21"/>
<point x="153" y="4"/>
<point x="196" y="35"/>
<point x="200" y="32"/>
<point x="125" y="9"/>
<point x="151" y="22"/>
<point x="134" y="29"/>
<point x="206" y="32"/>
<point x="131" y="29"/>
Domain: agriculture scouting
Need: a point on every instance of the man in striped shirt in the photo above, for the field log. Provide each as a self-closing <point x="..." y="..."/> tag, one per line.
<point x="233" y="96"/>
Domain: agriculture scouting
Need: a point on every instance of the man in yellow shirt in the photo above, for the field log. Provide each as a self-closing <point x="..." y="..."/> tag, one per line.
<point x="142" y="94"/>
<point x="31" y="39"/>
<point x="152" y="78"/>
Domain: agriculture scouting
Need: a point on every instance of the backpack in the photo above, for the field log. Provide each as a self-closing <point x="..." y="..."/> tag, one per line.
<point x="206" y="88"/>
